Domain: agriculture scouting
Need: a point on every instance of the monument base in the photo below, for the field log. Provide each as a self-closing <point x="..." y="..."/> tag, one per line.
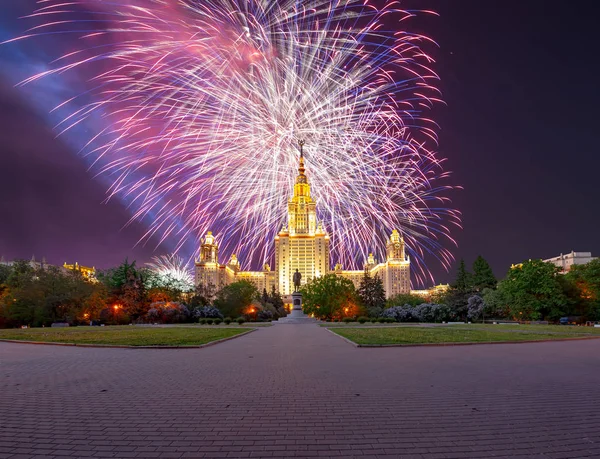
<point x="296" y="315"/>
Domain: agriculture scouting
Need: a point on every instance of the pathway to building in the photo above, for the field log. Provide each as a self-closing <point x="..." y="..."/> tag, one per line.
<point x="300" y="391"/>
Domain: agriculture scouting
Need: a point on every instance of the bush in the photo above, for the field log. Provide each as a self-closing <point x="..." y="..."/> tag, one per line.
<point x="389" y="320"/>
<point x="362" y="319"/>
<point x="381" y="320"/>
<point x="202" y="321"/>
<point x="209" y="321"/>
<point x="347" y="320"/>
<point x="208" y="312"/>
<point x="373" y="320"/>
<point x="217" y="321"/>
<point x="264" y="315"/>
<point x="425" y="312"/>
<point x="227" y="320"/>
<point x="169" y="312"/>
<point x="240" y="320"/>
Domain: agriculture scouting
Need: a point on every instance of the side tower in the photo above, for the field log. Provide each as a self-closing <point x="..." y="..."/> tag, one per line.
<point x="207" y="264"/>
<point x="302" y="244"/>
<point x="396" y="274"/>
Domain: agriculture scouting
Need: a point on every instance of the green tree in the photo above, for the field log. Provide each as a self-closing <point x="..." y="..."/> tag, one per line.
<point x="234" y="299"/>
<point x="203" y="296"/>
<point x="497" y="303"/>
<point x="403" y="299"/>
<point x="128" y="287"/>
<point x="586" y="280"/>
<point x="372" y="294"/>
<point x="483" y="276"/>
<point x="533" y="291"/>
<point x="464" y="279"/>
<point x="330" y="296"/>
<point x="276" y="300"/>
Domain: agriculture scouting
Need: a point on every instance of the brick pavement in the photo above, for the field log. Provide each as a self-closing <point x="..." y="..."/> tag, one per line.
<point x="299" y="391"/>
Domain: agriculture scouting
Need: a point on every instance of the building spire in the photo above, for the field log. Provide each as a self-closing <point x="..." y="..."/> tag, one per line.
<point x="301" y="166"/>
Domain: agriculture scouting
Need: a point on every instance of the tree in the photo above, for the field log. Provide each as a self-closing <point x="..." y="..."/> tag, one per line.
<point x="533" y="291"/>
<point x="234" y="299"/>
<point x="464" y="281"/>
<point x="372" y="294"/>
<point x="275" y="299"/>
<point x="586" y="280"/>
<point x="128" y="287"/>
<point x="203" y="296"/>
<point x="403" y="299"/>
<point x="483" y="276"/>
<point x="330" y="296"/>
<point x="497" y="304"/>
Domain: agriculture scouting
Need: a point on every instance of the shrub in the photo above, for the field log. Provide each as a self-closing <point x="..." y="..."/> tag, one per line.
<point x="389" y="320"/>
<point x="202" y="321"/>
<point x="209" y="321"/>
<point x="169" y="312"/>
<point x="240" y="320"/>
<point x="208" y="312"/>
<point x="227" y="320"/>
<point x="217" y="321"/>
<point x="264" y="315"/>
<point x="347" y="320"/>
<point x="424" y="312"/>
<point x="362" y="319"/>
<point x="381" y="320"/>
<point x="373" y="320"/>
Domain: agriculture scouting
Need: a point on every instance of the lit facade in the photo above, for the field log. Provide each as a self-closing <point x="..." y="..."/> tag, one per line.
<point x="302" y="244"/>
<point x="564" y="262"/>
<point x="88" y="273"/>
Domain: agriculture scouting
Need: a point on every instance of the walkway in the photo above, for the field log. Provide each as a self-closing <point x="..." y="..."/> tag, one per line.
<point x="299" y="391"/>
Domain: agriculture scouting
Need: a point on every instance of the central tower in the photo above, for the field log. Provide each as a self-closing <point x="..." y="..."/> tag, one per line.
<point x="302" y="244"/>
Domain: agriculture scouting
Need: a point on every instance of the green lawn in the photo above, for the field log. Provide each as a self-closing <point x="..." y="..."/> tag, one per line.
<point x="566" y="329"/>
<point x="426" y="335"/>
<point x="124" y="335"/>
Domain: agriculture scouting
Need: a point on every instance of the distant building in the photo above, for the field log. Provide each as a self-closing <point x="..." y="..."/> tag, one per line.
<point x="33" y="263"/>
<point x="302" y="244"/>
<point x="87" y="272"/>
<point x="564" y="262"/>
<point x="435" y="290"/>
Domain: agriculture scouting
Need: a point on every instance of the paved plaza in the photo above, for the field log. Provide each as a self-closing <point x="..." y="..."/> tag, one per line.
<point x="300" y="391"/>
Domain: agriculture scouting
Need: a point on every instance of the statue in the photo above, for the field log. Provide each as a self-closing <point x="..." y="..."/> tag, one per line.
<point x="296" y="278"/>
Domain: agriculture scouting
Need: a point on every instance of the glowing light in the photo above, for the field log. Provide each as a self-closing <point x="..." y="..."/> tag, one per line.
<point x="205" y="102"/>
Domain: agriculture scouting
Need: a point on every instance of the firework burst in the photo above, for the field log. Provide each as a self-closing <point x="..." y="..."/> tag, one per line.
<point x="172" y="269"/>
<point x="204" y="102"/>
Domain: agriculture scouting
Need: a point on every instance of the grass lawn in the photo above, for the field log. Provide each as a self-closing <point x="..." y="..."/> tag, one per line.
<point x="123" y="335"/>
<point x="566" y="329"/>
<point x="423" y="335"/>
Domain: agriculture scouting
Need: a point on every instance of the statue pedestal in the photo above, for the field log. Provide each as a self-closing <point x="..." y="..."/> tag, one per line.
<point x="296" y="316"/>
<point x="296" y="311"/>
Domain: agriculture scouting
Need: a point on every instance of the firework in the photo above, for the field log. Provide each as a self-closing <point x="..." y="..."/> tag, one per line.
<point x="204" y="102"/>
<point x="172" y="269"/>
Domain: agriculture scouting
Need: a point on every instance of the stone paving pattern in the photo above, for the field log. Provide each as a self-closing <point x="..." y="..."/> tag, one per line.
<point x="299" y="391"/>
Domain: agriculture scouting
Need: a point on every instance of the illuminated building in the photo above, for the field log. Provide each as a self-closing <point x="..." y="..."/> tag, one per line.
<point x="302" y="244"/>
<point x="87" y="272"/>
<point x="564" y="262"/>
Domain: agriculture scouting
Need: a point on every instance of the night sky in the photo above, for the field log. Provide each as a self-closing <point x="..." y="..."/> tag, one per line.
<point x="520" y="79"/>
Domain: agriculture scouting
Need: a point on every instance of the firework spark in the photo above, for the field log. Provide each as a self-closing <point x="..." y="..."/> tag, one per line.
<point x="204" y="102"/>
<point x="172" y="269"/>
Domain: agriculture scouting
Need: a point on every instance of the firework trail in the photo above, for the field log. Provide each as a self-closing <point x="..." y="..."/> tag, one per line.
<point x="173" y="269"/>
<point x="205" y="102"/>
